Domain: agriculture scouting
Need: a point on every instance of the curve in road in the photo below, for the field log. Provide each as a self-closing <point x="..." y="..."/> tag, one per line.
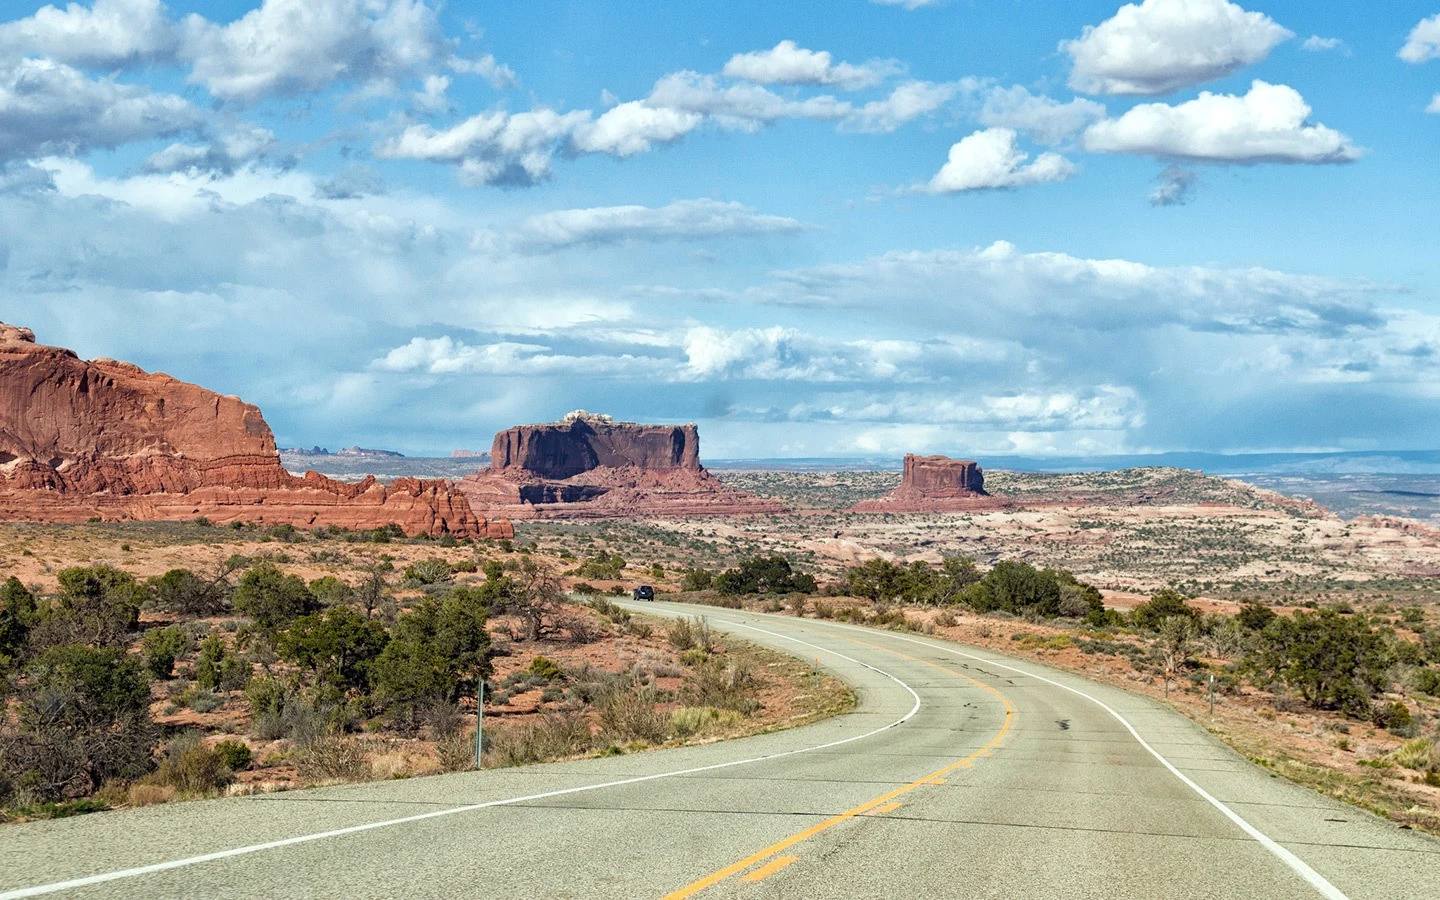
<point x="960" y="772"/>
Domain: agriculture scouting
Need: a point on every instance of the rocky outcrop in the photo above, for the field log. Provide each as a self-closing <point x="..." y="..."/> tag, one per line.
<point x="934" y="484"/>
<point x="590" y="466"/>
<point x="80" y="439"/>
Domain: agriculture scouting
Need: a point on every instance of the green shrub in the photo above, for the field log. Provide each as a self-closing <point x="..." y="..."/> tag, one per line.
<point x="546" y="668"/>
<point x="697" y="580"/>
<point x="81" y="717"/>
<point x="182" y="592"/>
<point x="191" y="768"/>
<point x="220" y="669"/>
<point x="236" y="755"/>
<point x="429" y="571"/>
<point x="18" y="613"/>
<point x="339" y="646"/>
<point x="98" y="606"/>
<point x="1394" y="717"/>
<point x="1334" y="661"/>
<point x="272" y="599"/>
<point x="437" y="652"/>
<point x="162" y="647"/>
<point x="1162" y="605"/>
<point x="764" y="575"/>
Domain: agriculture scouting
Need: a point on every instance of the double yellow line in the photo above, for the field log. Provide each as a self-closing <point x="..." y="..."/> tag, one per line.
<point x="868" y="807"/>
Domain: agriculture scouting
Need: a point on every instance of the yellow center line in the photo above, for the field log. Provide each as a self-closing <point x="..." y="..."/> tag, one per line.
<point x="869" y="806"/>
<point x="889" y="807"/>
<point x="770" y="868"/>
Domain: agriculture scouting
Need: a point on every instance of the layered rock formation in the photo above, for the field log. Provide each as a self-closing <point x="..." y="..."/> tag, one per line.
<point x="590" y="466"/>
<point x="103" y="438"/>
<point x="934" y="484"/>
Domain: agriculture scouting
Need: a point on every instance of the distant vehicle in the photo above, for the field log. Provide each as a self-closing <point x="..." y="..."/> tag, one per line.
<point x="644" y="592"/>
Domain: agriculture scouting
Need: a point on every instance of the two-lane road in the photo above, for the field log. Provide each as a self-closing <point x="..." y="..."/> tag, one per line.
<point x="961" y="774"/>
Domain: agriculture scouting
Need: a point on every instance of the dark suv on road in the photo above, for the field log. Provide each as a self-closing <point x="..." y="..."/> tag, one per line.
<point x="644" y="592"/>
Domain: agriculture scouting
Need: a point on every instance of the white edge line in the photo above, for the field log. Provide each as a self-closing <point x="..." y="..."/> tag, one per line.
<point x="1300" y="867"/>
<point x="355" y="829"/>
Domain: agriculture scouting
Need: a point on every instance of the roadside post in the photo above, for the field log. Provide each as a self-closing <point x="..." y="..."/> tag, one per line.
<point x="1212" y="695"/>
<point x="817" y="673"/>
<point x="479" y="721"/>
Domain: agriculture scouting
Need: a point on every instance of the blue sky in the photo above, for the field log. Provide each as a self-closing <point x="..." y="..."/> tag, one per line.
<point x="816" y="228"/>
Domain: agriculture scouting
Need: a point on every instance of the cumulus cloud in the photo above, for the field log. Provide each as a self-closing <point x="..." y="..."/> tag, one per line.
<point x="1270" y="123"/>
<point x="786" y="354"/>
<point x="291" y="47"/>
<point x="906" y="103"/>
<point x="1434" y="106"/>
<point x="490" y="148"/>
<point x="51" y="108"/>
<point x="1160" y="46"/>
<point x="1104" y="407"/>
<point x="1423" y="44"/>
<point x="109" y="34"/>
<point x="744" y="106"/>
<point x="633" y="127"/>
<point x="789" y="63"/>
<point x="1042" y="119"/>
<point x="991" y="160"/>
<point x="1317" y="44"/>
<point x="244" y="144"/>
<point x="683" y="220"/>
<point x="1175" y="186"/>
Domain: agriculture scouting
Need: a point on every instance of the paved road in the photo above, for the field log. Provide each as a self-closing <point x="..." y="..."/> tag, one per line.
<point x="961" y="774"/>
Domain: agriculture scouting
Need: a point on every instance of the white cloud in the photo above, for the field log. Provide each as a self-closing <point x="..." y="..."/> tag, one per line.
<point x="1104" y="407"/>
<point x="907" y="102"/>
<point x="1423" y="44"/>
<point x="1434" y="106"/>
<point x="1173" y="187"/>
<point x="51" y="108"/>
<point x="777" y="353"/>
<point x="633" y="127"/>
<point x="1268" y="124"/>
<point x="908" y="4"/>
<point x="491" y="148"/>
<point x="109" y="34"/>
<point x="244" y="144"/>
<point x="744" y="106"/>
<point x="788" y="63"/>
<point x="683" y="219"/>
<point x="498" y="74"/>
<point x="1160" y="46"/>
<point x="1042" y="119"/>
<point x="1317" y="44"/>
<point x="290" y="47"/>
<point x="1003" y="291"/>
<point x="992" y="159"/>
<point x="447" y="356"/>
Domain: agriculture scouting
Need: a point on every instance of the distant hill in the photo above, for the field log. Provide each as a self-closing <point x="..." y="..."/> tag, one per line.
<point x="1389" y="462"/>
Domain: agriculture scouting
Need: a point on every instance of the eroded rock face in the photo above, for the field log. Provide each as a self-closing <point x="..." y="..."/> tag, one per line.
<point x="581" y="442"/>
<point x="103" y="438"/>
<point x="590" y="466"/>
<point x="934" y="484"/>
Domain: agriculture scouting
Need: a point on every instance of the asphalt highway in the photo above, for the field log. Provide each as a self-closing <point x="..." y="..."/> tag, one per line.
<point x="961" y="773"/>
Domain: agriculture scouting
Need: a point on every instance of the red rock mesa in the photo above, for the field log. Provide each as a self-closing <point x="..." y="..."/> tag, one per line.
<point x="103" y="438"/>
<point x="590" y="466"/>
<point x="934" y="484"/>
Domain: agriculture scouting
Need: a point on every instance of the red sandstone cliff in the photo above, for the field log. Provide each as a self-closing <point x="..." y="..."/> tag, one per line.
<point x="80" y="439"/>
<point x="934" y="484"/>
<point x="588" y="466"/>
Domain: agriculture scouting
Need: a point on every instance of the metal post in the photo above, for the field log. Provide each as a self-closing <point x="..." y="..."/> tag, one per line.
<point x="817" y="673"/>
<point x="1212" y="695"/>
<point x="480" y="722"/>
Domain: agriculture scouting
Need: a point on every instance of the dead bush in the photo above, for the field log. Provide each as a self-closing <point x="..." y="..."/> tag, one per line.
<point x="556" y="735"/>
<point x="332" y="757"/>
